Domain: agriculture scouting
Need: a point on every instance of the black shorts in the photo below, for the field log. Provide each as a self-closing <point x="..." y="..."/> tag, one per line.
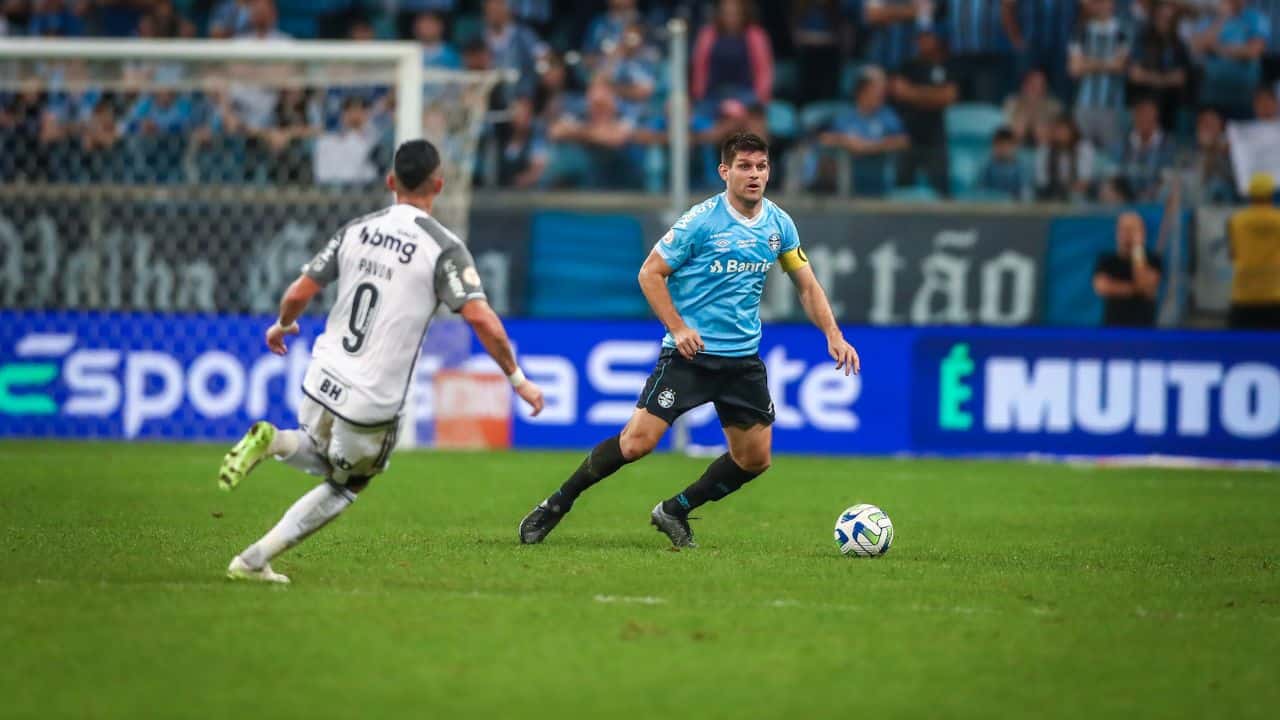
<point x="739" y="387"/>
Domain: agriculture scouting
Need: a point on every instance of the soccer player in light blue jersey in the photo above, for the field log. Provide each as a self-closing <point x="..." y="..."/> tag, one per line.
<point x="703" y="280"/>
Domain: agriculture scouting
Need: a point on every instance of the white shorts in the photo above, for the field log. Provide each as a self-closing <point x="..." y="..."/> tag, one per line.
<point x="352" y="451"/>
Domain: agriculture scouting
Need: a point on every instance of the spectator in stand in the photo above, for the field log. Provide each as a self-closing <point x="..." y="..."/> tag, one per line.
<point x="606" y="29"/>
<point x="535" y="14"/>
<point x="346" y="157"/>
<point x="287" y="140"/>
<point x="16" y="15"/>
<point x="1160" y="66"/>
<point x="1270" y="9"/>
<point x="1040" y="32"/>
<point x="119" y="18"/>
<point x="1253" y="236"/>
<point x="1212" y="179"/>
<point x="922" y="89"/>
<point x="263" y="20"/>
<point x="25" y="133"/>
<point x="1099" y="54"/>
<point x="163" y="21"/>
<point x="428" y="30"/>
<point x="229" y="19"/>
<point x="871" y="132"/>
<point x="1003" y="173"/>
<point x="1265" y="107"/>
<point x="57" y="18"/>
<point x="981" y="56"/>
<point x="99" y="138"/>
<point x="631" y="68"/>
<point x="1148" y="153"/>
<point x="558" y="94"/>
<point x="816" y="34"/>
<point x="1128" y="279"/>
<point x="512" y="46"/>
<point x="891" y="29"/>
<point x="219" y="139"/>
<point x="408" y="12"/>
<point x="1032" y="108"/>
<point x="156" y="129"/>
<point x="524" y="155"/>
<point x="1231" y="46"/>
<point x="1064" y="163"/>
<point x="604" y="134"/>
<point x="732" y="59"/>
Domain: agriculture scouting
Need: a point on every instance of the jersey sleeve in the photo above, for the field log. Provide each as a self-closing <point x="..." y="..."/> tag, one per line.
<point x="457" y="281"/>
<point x="790" y="255"/>
<point x="323" y="268"/>
<point x="680" y="241"/>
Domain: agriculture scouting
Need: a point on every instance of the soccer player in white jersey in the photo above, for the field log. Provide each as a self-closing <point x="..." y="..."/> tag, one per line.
<point x="393" y="269"/>
<point x="704" y="280"/>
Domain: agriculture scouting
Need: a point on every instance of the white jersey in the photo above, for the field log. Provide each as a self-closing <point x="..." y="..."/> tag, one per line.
<point x="393" y="269"/>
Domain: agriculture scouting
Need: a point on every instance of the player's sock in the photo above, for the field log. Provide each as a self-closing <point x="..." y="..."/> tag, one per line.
<point x="604" y="460"/>
<point x="312" y="512"/>
<point x="722" y="477"/>
<point x="295" y="449"/>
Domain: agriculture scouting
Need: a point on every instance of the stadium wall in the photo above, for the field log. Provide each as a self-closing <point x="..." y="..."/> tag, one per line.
<point x="950" y="391"/>
<point x="234" y="250"/>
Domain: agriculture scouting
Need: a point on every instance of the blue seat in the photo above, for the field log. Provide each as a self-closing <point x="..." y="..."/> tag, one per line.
<point x="782" y="119"/>
<point x="973" y="121"/>
<point x="965" y="163"/>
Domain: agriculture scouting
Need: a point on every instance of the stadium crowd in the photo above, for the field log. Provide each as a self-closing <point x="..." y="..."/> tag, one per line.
<point x="1020" y="100"/>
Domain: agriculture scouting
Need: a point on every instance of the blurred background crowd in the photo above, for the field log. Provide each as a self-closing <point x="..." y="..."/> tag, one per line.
<point x="1088" y="101"/>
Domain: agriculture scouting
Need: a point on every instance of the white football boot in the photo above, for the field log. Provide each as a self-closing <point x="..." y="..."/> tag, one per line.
<point x="240" y="570"/>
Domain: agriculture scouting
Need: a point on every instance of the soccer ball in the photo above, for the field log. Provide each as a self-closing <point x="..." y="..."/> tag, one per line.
<point x="864" y="530"/>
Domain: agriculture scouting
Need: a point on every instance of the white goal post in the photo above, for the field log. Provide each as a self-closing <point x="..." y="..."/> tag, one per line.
<point x="405" y="56"/>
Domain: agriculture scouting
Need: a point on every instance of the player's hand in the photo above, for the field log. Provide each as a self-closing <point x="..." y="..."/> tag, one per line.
<point x="688" y="342"/>
<point x="532" y="394"/>
<point x="845" y="356"/>
<point x="276" y="335"/>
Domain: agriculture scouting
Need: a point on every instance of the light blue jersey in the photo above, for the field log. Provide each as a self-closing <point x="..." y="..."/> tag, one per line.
<point x="720" y="259"/>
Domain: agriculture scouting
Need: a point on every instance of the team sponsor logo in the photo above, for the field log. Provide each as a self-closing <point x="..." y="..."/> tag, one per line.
<point x="1144" y="396"/>
<point x="332" y="390"/>
<point x="392" y="243"/>
<point x="669" y="238"/>
<point x="740" y="266"/>
<point x="666" y="398"/>
<point x="775" y="242"/>
<point x="470" y="276"/>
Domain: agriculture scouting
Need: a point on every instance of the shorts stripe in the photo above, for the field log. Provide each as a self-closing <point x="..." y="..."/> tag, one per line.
<point x="657" y="380"/>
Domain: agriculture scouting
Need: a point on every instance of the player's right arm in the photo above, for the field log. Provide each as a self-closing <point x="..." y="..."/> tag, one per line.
<point x="292" y="305"/>
<point x="458" y="287"/>
<point x="653" y="283"/>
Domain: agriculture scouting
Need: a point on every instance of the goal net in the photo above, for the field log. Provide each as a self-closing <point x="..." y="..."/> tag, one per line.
<point x="198" y="176"/>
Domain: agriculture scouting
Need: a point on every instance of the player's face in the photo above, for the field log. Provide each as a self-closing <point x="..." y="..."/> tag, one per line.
<point x="747" y="176"/>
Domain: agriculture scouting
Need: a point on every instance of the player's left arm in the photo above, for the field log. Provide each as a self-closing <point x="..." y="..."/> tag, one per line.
<point x="814" y="300"/>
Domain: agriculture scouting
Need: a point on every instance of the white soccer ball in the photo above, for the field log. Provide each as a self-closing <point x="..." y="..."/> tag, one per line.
<point x="864" y="530"/>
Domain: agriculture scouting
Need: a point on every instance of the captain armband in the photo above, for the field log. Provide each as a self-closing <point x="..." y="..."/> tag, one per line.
<point x="792" y="260"/>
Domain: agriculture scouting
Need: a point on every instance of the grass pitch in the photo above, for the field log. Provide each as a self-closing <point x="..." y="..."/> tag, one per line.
<point x="1012" y="590"/>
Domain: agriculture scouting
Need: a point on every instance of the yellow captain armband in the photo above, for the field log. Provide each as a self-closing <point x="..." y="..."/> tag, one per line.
<point x="792" y="260"/>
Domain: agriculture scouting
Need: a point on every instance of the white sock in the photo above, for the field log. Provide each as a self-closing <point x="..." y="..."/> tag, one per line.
<point x="295" y="449"/>
<point x="312" y="512"/>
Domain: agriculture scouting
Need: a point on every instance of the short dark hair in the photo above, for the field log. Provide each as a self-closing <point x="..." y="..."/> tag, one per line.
<point x="1004" y="134"/>
<point x="743" y="142"/>
<point x="415" y="162"/>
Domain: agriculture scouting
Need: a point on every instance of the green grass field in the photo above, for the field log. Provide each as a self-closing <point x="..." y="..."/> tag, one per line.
<point x="1012" y="590"/>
